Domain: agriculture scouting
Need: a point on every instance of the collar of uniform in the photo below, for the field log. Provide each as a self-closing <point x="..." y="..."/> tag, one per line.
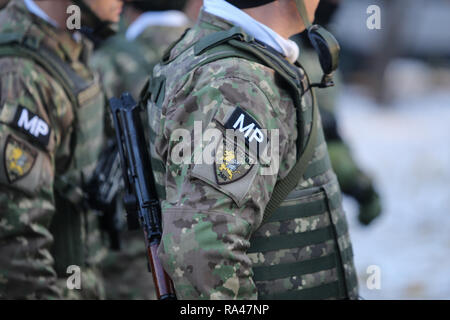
<point x="206" y="24"/>
<point x="213" y="20"/>
<point x="261" y="32"/>
<point x="170" y="18"/>
<point x="215" y="23"/>
<point x="57" y="39"/>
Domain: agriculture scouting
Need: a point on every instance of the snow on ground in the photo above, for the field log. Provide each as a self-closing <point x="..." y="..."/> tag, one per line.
<point x="406" y="148"/>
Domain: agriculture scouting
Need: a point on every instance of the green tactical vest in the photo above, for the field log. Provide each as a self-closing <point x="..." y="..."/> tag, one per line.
<point x="282" y="242"/>
<point x="68" y="226"/>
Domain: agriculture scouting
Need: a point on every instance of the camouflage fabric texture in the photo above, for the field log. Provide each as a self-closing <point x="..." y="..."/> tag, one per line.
<point x="352" y="179"/>
<point x="125" y="67"/>
<point x="214" y="246"/>
<point x="48" y="148"/>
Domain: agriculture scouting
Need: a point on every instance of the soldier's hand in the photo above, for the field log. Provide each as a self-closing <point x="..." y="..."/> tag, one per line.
<point x="369" y="209"/>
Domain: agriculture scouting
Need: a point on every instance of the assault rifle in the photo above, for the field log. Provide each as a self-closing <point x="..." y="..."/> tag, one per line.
<point x="140" y="198"/>
<point x="103" y="193"/>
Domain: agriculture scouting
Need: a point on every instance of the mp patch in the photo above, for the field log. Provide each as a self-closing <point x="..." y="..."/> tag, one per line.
<point x="245" y="124"/>
<point x="32" y="125"/>
<point x="19" y="159"/>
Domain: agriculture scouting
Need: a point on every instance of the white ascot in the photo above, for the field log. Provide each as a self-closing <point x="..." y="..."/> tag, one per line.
<point x="259" y="31"/>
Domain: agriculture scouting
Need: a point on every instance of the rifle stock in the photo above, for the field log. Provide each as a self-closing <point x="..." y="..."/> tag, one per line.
<point x="141" y="198"/>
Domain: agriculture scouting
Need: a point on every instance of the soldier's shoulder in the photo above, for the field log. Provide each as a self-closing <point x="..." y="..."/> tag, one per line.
<point x="26" y="69"/>
<point x="237" y="67"/>
<point x="24" y="76"/>
<point x="32" y="99"/>
<point x="235" y="74"/>
<point x="12" y="17"/>
<point x="160" y="37"/>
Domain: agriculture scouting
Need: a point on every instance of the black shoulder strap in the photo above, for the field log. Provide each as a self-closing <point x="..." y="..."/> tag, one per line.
<point x="16" y="45"/>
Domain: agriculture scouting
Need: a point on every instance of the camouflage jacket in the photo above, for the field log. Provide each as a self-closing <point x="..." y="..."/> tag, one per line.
<point x="125" y="65"/>
<point x="211" y="212"/>
<point x="48" y="148"/>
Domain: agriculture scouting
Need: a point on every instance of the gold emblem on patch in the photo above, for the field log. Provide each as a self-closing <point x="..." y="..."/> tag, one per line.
<point x="19" y="159"/>
<point x="231" y="165"/>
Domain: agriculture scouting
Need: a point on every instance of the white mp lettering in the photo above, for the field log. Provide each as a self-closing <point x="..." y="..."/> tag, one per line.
<point x="240" y="122"/>
<point x="36" y="126"/>
<point x="25" y="122"/>
<point x="258" y="135"/>
<point x="41" y="128"/>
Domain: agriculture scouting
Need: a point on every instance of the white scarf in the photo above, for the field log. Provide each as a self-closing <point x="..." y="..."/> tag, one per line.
<point x="261" y="32"/>
<point x="169" y="18"/>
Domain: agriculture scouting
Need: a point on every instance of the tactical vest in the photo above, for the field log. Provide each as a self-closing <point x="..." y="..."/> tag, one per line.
<point x="86" y="97"/>
<point x="304" y="233"/>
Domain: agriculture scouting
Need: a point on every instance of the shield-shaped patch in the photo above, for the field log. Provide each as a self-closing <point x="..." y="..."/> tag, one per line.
<point x="19" y="159"/>
<point x="231" y="164"/>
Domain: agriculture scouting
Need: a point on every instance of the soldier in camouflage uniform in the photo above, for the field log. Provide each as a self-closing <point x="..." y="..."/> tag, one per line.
<point x="51" y="132"/>
<point x="125" y="62"/>
<point x="353" y="180"/>
<point x="222" y="238"/>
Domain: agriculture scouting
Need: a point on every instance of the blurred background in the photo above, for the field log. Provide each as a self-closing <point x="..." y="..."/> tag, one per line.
<point x="393" y="110"/>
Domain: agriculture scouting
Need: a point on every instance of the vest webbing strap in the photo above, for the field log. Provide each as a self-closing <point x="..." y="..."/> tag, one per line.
<point x="310" y="209"/>
<point x="217" y="38"/>
<point x="303" y="13"/>
<point x="53" y="68"/>
<point x="296" y="269"/>
<point x="329" y="290"/>
<point x="294" y="240"/>
<point x="248" y="46"/>
<point x="56" y="71"/>
<point x="286" y="185"/>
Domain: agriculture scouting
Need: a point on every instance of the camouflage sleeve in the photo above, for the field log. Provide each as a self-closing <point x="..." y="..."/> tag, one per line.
<point x="213" y="205"/>
<point x="29" y="135"/>
<point x="120" y="70"/>
<point x="104" y="61"/>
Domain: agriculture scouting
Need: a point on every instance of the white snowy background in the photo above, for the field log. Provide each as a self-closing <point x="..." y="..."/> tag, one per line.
<point x="406" y="148"/>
